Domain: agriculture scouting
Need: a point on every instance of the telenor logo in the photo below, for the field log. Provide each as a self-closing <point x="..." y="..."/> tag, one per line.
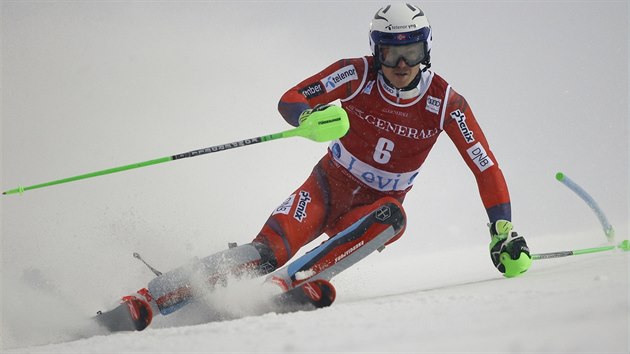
<point x="340" y="77"/>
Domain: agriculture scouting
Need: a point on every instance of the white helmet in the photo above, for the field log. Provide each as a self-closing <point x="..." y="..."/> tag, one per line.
<point x="401" y="31"/>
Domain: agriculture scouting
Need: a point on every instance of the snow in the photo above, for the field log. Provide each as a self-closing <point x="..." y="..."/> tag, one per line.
<point x="577" y="304"/>
<point x="92" y="85"/>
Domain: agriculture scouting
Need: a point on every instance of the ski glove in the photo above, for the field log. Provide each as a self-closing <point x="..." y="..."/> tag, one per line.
<point x="312" y="111"/>
<point x="508" y="250"/>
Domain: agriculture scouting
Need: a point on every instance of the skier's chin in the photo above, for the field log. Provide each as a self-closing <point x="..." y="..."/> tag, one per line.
<point x="401" y="80"/>
<point x="400" y="77"/>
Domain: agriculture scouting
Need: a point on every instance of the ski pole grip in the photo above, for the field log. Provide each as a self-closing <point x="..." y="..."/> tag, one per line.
<point x="326" y="125"/>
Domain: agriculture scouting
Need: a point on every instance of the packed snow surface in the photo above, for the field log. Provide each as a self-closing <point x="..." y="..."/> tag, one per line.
<point x="429" y="303"/>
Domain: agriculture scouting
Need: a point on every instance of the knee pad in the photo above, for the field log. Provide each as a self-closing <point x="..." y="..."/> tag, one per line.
<point x="394" y="206"/>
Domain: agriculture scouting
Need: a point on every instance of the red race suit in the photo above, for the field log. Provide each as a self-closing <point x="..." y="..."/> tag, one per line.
<point x="391" y="133"/>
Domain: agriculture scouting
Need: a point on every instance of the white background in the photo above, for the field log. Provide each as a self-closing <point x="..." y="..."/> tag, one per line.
<point x="93" y="85"/>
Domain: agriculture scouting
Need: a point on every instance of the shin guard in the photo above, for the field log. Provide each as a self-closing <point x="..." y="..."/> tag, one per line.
<point x="365" y="236"/>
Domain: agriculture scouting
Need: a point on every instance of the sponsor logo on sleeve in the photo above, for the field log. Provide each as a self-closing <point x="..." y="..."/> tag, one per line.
<point x="285" y="207"/>
<point x="340" y="77"/>
<point x="300" y="210"/>
<point x="480" y="157"/>
<point x="312" y="90"/>
<point x="460" y="119"/>
<point x="433" y="104"/>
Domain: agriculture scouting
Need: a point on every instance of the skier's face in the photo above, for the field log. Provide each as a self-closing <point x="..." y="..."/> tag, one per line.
<point x="402" y="74"/>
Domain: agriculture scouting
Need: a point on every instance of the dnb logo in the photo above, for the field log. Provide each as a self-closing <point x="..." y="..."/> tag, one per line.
<point x="480" y="157"/>
<point x="285" y="207"/>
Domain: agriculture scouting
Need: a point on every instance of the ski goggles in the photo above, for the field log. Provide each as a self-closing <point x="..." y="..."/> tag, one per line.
<point x="413" y="54"/>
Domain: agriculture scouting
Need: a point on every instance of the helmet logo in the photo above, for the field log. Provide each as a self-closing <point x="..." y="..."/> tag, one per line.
<point x="393" y="27"/>
<point x="401" y="37"/>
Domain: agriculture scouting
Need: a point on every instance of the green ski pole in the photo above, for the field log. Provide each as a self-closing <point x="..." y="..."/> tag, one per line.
<point x="608" y="229"/>
<point x="328" y="125"/>
<point x="624" y="246"/>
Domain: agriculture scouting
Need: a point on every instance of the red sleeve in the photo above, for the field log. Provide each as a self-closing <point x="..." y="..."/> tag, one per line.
<point x="462" y="127"/>
<point x="338" y="81"/>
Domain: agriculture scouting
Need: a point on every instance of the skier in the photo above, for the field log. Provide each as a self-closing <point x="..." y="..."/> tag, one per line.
<point x="397" y="108"/>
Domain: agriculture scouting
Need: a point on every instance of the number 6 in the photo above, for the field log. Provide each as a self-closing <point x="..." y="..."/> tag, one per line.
<point x="383" y="150"/>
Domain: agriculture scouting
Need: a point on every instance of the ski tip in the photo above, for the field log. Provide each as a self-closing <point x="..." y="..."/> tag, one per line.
<point x="559" y="176"/>
<point x="321" y="292"/>
<point x="624" y="245"/>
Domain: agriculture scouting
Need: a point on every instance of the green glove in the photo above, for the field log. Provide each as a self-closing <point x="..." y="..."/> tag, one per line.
<point x="508" y="250"/>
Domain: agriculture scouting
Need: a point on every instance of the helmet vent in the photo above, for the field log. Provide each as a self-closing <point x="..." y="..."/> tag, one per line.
<point x="414" y="9"/>
<point x="377" y="15"/>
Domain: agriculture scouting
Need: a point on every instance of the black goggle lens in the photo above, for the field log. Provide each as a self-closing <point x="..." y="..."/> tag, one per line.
<point x="412" y="54"/>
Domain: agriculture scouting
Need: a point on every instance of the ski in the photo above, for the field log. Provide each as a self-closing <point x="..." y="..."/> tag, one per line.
<point x="132" y="314"/>
<point x="307" y="296"/>
<point x="135" y="313"/>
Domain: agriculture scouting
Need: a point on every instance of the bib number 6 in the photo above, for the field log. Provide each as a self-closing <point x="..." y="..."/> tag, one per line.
<point x="383" y="151"/>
